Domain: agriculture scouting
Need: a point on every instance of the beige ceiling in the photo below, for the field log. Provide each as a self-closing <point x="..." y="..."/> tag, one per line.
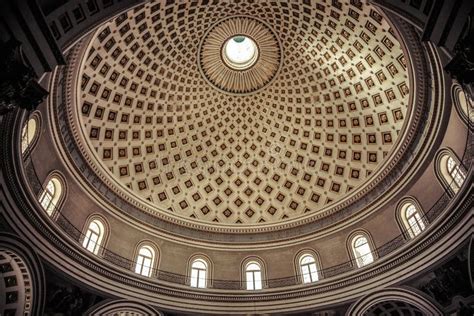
<point x="316" y="132"/>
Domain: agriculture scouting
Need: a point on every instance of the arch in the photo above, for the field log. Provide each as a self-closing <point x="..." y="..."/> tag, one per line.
<point x="449" y="170"/>
<point x="146" y="259"/>
<point x="95" y="234"/>
<point x="253" y="273"/>
<point x="308" y="266"/>
<point x="26" y="269"/>
<point x="464" y="104"/>
<point x="394" y="294"/>
<point x="30" y="133"/>
<point x="410" y="217"/>
<point x="122" y="307"/>
<point x="361" y="248"/>
<point x="199" y="271"/>
<point x="53" y="193"/>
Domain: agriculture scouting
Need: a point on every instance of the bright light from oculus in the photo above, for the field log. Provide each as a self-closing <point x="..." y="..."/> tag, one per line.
<point x="240" y="52"/>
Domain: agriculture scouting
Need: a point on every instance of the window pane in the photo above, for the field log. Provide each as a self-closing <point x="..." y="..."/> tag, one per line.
<point x="146" y="271"/>
<point x="420" y="221"/>
<point x="307" y="259"/>
<point x="360" y="242"/>
<point x="253" y="267"/>
<point x="194" y="278"/>
<point x="305" y="270"/>
<point x="306" y="278"/>
<point x="258" y="280"/>
<point x="138" y="267"/>
<point x="199" y="264"/>
<point x="94" y="227"/>
<point x="144" y="251"/>
<point x="451" y="164"/>
<point x="92" y="242"/>
<point x="458" y="176"/>
<point x="414" y="226"/>
<point x="362" y="252"/>
<point x="411" y="209"/>
<point x="202" y="279"/>
<point x="85" y="242"/>
<point x="46" y="201"/>
<point x="249" y="278"/>
<point x="27" y="134"/>
<point x="51" y="187"/>
<point x="147" y="262"/>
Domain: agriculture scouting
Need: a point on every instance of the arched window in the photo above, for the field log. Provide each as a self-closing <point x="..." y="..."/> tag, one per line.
<point x="94" y="236"/>
<point x="412" y="219"/>
<point x="457" y="175"/>
<point x="309" y="271"/>
<point x="253" y="276"/>
<point x="361" y="249"/>
<point x="28" y="134"/>
<point x="450" y="170"/>
<point x="51" y="195"/>
<point x="199" y="273"/>
<point x="464" y="104"/>
<point x="145" y="260"/>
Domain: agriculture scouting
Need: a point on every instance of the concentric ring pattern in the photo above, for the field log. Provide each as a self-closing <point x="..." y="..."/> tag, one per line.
<point x="329" y="119"/>
<point x="227" y="79"/>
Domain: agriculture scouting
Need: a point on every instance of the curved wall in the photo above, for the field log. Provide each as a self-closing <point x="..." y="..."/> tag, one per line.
<point x="445" y="129"/>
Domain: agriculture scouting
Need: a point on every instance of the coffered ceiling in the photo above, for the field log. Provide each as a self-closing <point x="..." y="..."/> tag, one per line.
<point x="301" y="140"/>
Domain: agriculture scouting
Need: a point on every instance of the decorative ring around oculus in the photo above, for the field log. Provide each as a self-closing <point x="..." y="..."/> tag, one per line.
<point x="240" y="55"/>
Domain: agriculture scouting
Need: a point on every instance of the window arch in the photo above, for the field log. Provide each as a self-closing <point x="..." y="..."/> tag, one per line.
<point x="94" y="235"/>
<point x="450" y="171"/>
<point x="464" y="104"/>
<point x="199" y="273"/>
<point x="411" y="216"/>
<point x="253" y="276"/>
<point x="28" y="134"/>
<point x="361" y="248"/>
<point x="52" y="194"/>
<point x="145" y="260"/>
<point x="308" y="268"/>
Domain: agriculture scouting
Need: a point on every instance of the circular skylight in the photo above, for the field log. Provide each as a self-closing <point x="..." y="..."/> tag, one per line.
<point x="240" y="52"/>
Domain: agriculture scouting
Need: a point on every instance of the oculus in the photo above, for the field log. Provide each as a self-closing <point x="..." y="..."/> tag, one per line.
<point x="240" y="52"/>
<point x="239" y="55"/>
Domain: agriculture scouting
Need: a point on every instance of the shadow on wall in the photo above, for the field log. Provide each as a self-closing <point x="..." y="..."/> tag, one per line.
<point x="66" y="299"/>
<point x="449" y="285"/>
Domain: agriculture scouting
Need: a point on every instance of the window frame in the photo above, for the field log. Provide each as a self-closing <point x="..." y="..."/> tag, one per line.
<point x="25" y="150"/>
<point x="141" y="258"/>
<point x="199" y="271"/>
<point x="463" y="105"/>
<point x="246" y="262"/>
<point x="26" y="142"/>
<point x="403" y="221"/>
<point x="256" y="283"/>
<point x="450" y="176"/>
<point x="56" y="198"/>
<point x="417" y="221"/>
<point x="355" y="258"/>
<point x="313" y="275"/>
<point x="102" y="236"/>
<point x="48" y="195"/>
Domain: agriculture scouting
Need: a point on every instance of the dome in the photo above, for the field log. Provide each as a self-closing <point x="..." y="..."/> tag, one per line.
<point x="211" y="157"/>
<point x="303" y="116"/>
